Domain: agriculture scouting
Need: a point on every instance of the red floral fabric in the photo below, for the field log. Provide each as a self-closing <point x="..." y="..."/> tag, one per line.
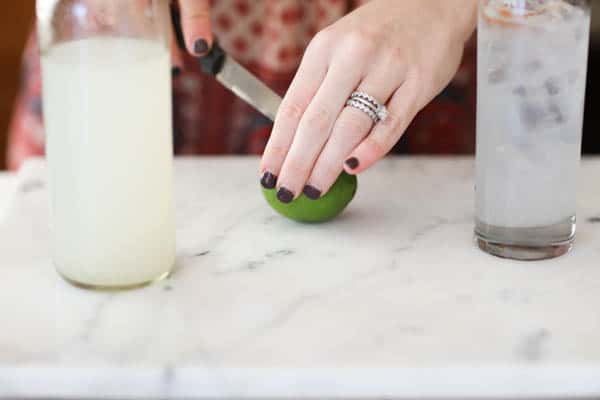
<point x="269" y="37"/>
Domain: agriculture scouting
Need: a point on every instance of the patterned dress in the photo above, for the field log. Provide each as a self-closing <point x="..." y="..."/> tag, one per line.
<point x="269" y="37"/>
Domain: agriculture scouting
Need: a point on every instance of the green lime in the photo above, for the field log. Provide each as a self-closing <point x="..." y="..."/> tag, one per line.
<point x="327" y="207"/>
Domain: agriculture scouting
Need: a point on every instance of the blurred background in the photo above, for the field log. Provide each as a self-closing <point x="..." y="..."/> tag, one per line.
<point x="16" y="21"/>
<point x="15" y="24"/>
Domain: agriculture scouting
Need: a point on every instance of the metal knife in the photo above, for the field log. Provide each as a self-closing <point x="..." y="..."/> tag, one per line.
<point x="233" y="75"/>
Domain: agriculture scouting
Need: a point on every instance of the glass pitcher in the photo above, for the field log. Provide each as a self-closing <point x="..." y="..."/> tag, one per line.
<point x="107" y="114"/>
<point x="532" y="65"/>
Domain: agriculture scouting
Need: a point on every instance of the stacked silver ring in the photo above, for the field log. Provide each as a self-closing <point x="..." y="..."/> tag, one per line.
<point x="369" y="105"/>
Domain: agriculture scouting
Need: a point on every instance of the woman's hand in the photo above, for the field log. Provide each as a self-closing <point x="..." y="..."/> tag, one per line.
<point x="402" y="52"/>
<point x="196" y="25"/>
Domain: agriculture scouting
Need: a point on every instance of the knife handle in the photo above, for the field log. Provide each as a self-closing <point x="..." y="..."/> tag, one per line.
<point x="212" y="62"/>
<point x="176" y="21"/>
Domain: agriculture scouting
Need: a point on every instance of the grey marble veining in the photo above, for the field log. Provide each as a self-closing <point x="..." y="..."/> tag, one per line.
<point x="392" y="299"/>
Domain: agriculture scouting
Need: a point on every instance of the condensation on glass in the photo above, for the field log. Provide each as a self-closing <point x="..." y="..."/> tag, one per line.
<point x="532" y="60"/>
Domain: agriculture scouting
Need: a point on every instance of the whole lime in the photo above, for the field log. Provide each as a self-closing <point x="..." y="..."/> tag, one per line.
<point x="323" y="209"/>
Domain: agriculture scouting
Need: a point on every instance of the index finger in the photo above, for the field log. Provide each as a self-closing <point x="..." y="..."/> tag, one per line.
<point x="195" y="19"/>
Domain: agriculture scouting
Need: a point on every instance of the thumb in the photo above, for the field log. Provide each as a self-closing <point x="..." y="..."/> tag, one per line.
<point x="195" y="19"/>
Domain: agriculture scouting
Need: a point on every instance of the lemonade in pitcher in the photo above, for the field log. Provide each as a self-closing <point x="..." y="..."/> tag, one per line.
<point x="107" y="114"/>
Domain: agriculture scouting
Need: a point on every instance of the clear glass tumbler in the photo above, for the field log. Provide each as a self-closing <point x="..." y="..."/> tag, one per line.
<point x="107" y="114"/>
<point x="532" y="64"/>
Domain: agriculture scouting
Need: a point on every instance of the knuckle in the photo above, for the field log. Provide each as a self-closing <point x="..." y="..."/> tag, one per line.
<point x="376" y="146"/>
<point x="295" y="168"/>
<point x="325" y="172"/>
<point x="322" y="40"/>
<point x="318" y="120"/>
<point x="362" y="42"/>
<point x="394" y="123"/>
<point x="195" y="8"/>
<point x="277" y="152"/>
<point x="195" y="13"/>
<point x="415" y="76"/>
<point x="198" y="15"/>
<point x="292" y="109"/>
<point x="396" y="54"/>
<point x="415" y="86"/>
<point x="353" y="125"/>
<point x="329" y="172"/>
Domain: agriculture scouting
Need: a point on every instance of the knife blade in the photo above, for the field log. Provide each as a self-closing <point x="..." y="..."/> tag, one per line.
<point x="240" y="81"/>
<point x="233" y="75"/>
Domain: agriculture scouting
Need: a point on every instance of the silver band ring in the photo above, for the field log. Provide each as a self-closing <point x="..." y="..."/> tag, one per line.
<point x="369" y="102"/>
<point x="364" y="108"/>
<point x="362" y="95"/>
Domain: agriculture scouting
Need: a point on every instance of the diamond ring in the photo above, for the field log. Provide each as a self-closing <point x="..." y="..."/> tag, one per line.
<point x="369" y="105"/>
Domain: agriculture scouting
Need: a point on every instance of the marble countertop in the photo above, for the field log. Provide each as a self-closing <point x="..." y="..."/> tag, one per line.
<point x="6" y="191"/>
<point x="392" y="300"/>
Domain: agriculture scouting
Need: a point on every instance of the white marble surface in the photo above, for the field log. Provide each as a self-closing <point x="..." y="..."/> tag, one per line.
<point x="391" y="300"/>
<point x="7" y="183"/>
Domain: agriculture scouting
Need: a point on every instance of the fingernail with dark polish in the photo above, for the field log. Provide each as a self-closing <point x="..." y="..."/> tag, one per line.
<point x="285" y="196"/>
<point x="175" y="72"/>
<point x="268" y="180"/>
<point x="200" y="46"/>
<point x="311" y="192"/>
<point x="352" y="163"/>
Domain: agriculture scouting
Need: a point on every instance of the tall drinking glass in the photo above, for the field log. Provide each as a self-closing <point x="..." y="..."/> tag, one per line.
<point x="532" y="61"/>
<point x="107" y="114"/>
